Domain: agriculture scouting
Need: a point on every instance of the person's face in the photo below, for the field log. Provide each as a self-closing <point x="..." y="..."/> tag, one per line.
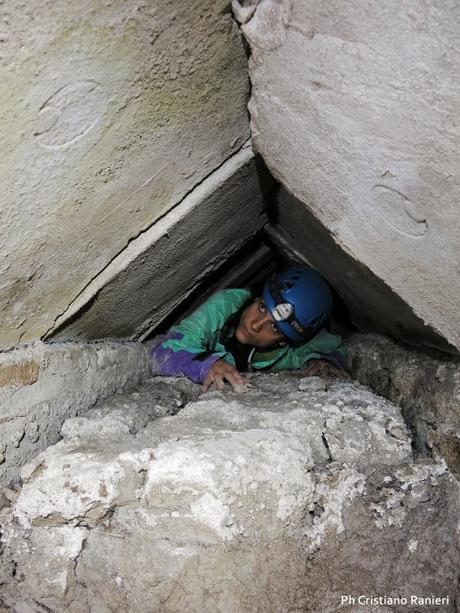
<point x="257" y="328"/>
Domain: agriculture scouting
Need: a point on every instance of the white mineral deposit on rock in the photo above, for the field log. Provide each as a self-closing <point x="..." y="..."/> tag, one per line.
<point x="262" y="490"/>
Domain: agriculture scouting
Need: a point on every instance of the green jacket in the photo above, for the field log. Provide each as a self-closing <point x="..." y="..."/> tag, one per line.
<point x="191" y="347"/>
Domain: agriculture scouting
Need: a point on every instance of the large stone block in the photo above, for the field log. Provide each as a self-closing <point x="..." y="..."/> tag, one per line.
<point x="354" y="108"/>
<point x="281" y="499"/>
<point x="372" y="305"/>
<point x="110" y="114"/>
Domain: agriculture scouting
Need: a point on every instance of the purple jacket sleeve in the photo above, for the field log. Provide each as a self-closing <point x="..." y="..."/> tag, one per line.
<point x="166" y="361"/>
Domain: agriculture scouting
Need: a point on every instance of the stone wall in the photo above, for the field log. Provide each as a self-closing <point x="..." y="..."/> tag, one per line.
<point x="42" y="385"/>
<point x="372" y="305"/>
<point x="426" y="387"/>
<point x="171" y="260"/>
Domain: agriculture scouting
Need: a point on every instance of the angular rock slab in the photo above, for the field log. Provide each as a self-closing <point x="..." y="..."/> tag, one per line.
<point x="109" y="117"/>
<point x="354" y="108"/>
<point x="236" y="503"/>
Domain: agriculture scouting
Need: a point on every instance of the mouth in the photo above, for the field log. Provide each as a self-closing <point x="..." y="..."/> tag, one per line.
<point x="246" y="335"/>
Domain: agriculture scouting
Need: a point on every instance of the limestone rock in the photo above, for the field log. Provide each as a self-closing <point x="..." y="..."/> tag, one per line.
<point x="426" y="387"/>
<point x="45" y="384"/>
<point x="354" y="108"/>
<point x="109" y="117"/>
<point x="279" y="499"/>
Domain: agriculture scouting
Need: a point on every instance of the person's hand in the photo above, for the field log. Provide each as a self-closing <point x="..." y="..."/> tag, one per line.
<point x="324" y="368"/>
<point x="222" y="371"/>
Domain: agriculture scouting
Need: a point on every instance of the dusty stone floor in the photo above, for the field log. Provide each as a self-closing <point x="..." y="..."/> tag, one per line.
<point x="284" y="498"/>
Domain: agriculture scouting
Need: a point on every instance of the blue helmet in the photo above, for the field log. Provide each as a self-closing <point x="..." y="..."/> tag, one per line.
<point x="299" y="300"/>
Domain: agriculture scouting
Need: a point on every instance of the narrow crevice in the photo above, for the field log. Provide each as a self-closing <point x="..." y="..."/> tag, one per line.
<point x="420" y="447"/>
<point x="326" y="445"/>
<point x="257" y="272"/>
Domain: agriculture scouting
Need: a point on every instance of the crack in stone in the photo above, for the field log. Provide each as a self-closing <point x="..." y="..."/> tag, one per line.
<point x="326" y="445"/>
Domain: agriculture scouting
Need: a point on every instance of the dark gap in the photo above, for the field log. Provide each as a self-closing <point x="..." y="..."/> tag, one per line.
<point x="216" y="280"/>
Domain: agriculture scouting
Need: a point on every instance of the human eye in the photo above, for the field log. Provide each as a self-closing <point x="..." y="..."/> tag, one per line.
<point x="262" y="306"/>
<point x="274" y="328"/>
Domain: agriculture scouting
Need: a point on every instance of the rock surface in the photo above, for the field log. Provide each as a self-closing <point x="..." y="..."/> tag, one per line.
<point x="280" y="499"/>
<point x="111" y="112"/>
<point x="427" y="388"/>
<point x="42" y="385"/>
<point x="144" y="283"/>
<point x="354" y="108"/>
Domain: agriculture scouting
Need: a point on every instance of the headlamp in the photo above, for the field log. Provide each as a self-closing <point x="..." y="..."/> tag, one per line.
<point x="282" y="311"/>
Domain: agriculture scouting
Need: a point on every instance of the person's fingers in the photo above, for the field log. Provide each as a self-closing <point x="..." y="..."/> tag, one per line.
<point x="236" y="380"/>
<point x="222" y="372"/>
<point x="230" y="371"/>
<point x="231" y="377"/>
<point x="240" y="388"/>
<point x="313" y="369"/>
<point x="209" y="380"/>
<point x="234" y="376"/>
<point x="322" y="368"/>
<point x="335" y="371"/>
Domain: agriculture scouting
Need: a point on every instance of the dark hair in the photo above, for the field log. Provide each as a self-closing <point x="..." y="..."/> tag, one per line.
<point x="228" y="338"/>
<point x="228" y="329"/>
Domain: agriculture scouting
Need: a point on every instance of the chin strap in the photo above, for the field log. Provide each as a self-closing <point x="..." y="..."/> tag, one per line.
<point x="250" y="358"/>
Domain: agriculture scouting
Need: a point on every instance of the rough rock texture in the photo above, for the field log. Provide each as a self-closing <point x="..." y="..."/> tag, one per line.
<point x="111" y="112"/>
<point x="372" y="305"/>
<point x="427" y="389"/>
<point x="354" y="108"/>
<point x="281" y="499"/>
<point x="41" y="385"/>
<point x="144" y="283"/>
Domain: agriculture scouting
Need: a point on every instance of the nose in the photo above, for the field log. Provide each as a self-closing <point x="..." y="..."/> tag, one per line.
<point x="259" y="322"/>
